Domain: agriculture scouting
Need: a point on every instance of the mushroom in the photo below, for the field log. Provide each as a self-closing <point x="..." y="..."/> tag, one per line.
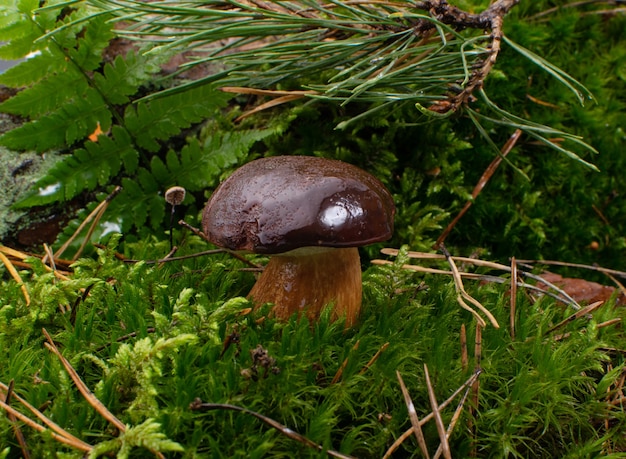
<point x="311" y="214"/>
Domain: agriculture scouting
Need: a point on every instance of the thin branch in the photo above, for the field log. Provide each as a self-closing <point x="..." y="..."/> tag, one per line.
<point x="441" y="429"/>
<point x="58" y="433"/>
<point x="198" y="405"/>
<point x="415" y="422"/>
<point x="506" y="149"/>
<point x="82" y="387"/>
<point x="465" y="386"/>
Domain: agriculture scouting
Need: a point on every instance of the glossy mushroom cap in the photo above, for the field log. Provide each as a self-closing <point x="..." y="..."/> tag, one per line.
<point x="277" y="204"/>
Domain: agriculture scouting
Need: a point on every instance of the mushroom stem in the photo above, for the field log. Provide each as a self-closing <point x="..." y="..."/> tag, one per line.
<point x="307" y="279"/>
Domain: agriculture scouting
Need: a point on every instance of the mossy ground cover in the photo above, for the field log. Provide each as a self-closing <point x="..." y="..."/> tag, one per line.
<point x="150" y="339"/>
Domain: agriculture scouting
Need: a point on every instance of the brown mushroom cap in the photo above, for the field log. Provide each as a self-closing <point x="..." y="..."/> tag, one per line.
<point x="276" y="204"/>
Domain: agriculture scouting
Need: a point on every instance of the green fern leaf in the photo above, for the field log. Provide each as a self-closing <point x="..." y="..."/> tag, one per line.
<point x="64" y="127"/>
<point x="19" y="47"/>
<point x="121" y="79"/>
<point x="48" y="95"/>
<point x="219" y="152"/>
<point x="30" y="71"/>
<point x="87" y="53"/>
<point x="198" y="166"/>
<point x="17" y="28"/>
<point x="84" y="170"/>
<point x="138" y="200"/>
<point x="159" y="119"/>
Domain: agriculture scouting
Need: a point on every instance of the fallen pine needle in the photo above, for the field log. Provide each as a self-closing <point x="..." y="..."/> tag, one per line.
<point x="198" y="405"/>
<point x="584" y="311"/>
<point x="465" y="386"/>
<point x="16" y="276"/>
<point x="97" y="214"/>
<point x="344" y="364"/>
<point x="82" y="387"/>
<point x="477" y="262"/>
<point x="57" y="433"/>
<point x="513" y="303"/>
<point x="441" y="429"/>
<point x="415" y="422"/>
<point x="374" y="358"/>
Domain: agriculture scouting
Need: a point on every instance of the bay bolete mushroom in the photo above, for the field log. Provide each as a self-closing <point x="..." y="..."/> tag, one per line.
<point x="310" y="214"/>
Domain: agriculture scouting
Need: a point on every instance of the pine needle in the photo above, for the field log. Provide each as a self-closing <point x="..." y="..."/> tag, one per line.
<point x="198" y="405"/>
<point x="58" y="433"/>
<point x="16" y="276"/>
<point x="82" y="387"/>
<point x="441" y="429"/>
<point x="415" y="422"/>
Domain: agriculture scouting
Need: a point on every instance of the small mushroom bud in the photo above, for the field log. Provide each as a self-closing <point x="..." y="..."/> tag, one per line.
<point x="174" y="196"/>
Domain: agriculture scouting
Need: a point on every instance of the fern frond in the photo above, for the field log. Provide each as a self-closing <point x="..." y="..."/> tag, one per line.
<point x="18" y="29"/>
<point x="199" y="166"/>
<point x="119" y="80"/>
<point x="48" y="95"/>
<point x="30" y="71"/>
<point x="158" y="119"/>
<point x="86" y="169"/>
<point x="72" y="122"/>
<point x="86" y="55"/>
<point x="139" y="201"/>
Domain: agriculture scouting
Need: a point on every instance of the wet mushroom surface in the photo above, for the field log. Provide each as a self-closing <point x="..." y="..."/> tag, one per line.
<point x="311" y="214"/>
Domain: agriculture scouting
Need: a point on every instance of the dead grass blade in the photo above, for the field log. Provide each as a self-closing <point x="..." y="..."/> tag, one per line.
<point x="374" y="358"/>
<point x="16" y="427"/>
<point x="463" y="295"/>
<point x="455" y="417"/>
<point x="281" y="97"/>
<point x="82" y="387"/>
<point x="415" y="422"/>
<point x="463" y="343"/>
<point x="441" y="429"/>
<point x="600" y="269"/>
<point x="339" y="373"/>
<point x="563" y="296"/>
<point x="506" y="148"/>
<point x="465" y="386"/>
<point x="57" y="432"/>
<point x="584" y="311"/>
<point x="16" y="276"/>
<point x="198" y="405"/>
<point x="475" y="387"/>
<point x="513" y="303"/>
<point x="95" y="215"/>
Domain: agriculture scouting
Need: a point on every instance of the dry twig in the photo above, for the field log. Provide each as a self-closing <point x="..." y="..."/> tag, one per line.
<point x="198" y="405"/>
<point x="508" y="146"/>
<point x="464" y="387"/>
<point x="562" y="295"/>
<point x="415" y="422"/>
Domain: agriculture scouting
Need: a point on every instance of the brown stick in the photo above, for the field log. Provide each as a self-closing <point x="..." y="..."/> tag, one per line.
<point x="16" y="428"/>
<point x="441" y="428"/>
<point x="508" y="146"/>
<point x="82" y="387"/>
<point x="415" y="422"/>
<point x="513" y="304"/>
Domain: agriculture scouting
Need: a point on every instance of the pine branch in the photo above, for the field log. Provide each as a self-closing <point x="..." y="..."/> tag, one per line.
<point x="383" y="53"/>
